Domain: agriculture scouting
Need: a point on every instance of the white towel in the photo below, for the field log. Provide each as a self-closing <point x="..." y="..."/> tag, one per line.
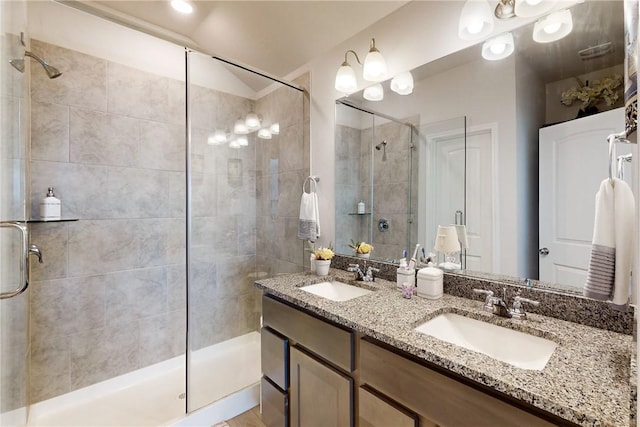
<point x="309" y="222"/>
<point x="612" y="249"/>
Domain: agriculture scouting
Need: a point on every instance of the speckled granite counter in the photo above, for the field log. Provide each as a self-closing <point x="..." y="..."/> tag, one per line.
<point x="586" y="381"/>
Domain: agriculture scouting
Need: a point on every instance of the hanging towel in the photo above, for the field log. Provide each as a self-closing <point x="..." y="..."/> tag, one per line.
<point x="309" y="222"/>
<point x="612" y="249"/>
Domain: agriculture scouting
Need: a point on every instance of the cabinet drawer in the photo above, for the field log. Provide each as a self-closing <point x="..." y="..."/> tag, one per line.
<point x="436" y="397"/>
<point x="275" y="357"/>
<point x="275" y="405"/>
<point x="331" y="342"/>
<point x="375" y="411"/>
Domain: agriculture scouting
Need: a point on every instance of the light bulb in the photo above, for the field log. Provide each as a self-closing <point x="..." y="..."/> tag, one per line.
<point x="498" y="48"/>
<point x="264" y="133"/>
<point x="552" y="27"/>
<point x="240" y="127"/>
<point x="475" y="26"/>
<point x="346" y="79"/>
<point x="252" y="121"/>
<point x="182" y="6"/>
<point x="374" y="93"/>
<point x="402" y="84"/>
<point x="476" y="20"/>
<point x="531" y="8"/>
<point x="375" y="67"/>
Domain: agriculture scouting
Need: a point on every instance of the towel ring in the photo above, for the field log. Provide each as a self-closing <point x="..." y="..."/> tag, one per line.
<point x="612" y="139"/>
<point x="310" y="180"/>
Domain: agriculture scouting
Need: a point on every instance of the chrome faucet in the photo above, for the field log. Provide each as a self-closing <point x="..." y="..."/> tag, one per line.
<point x="498" y="306"/>
<point x="355" y="268"/>
<point x="369" y="276"/>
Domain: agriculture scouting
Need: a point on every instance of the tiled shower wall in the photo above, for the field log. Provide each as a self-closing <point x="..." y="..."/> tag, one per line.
<point x="110" y="297"/>
<point x="391" y="187"/>
<point x="282" y="166"/>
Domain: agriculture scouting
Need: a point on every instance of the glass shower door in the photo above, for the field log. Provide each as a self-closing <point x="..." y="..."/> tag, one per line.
<point x="13" y="305"/>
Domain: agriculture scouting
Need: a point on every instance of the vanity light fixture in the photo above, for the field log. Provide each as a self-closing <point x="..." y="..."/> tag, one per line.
<point x="553" y="27"/>
<point x="374" y="93"/>
<point x="476" y="20"/>
<point x="505" y="9"/>
<point x="375" y="67"/>
<point x="234" y="144"/>
<point x="498" y="47"/>
<point x="264" y="133"/>
<point x="252" y="121"/>
<point x="402" y="84"/>
<point x="531" y="8"/>
<point x="275" y="128"/>
<point x="240" y="127"/>
<point x="182" y="6"/>
<point x="374" y="70"/>
<point x="217" y="138"/>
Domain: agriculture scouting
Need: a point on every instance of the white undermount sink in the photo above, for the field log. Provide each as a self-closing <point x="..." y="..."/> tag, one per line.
<point x="336" y="291"/>
<point x="516" y="348"/>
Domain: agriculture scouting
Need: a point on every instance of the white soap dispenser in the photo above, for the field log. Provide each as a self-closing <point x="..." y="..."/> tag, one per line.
<point x="361" y="207"/>
<point x="50" y="206"/>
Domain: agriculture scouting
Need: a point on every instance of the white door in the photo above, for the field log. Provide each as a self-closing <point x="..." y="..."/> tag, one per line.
<point x="449" y="161"/>
<point x="573" y="162"/>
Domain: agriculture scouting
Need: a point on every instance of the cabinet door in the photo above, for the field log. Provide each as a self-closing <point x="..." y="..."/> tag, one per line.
<point x="376" y="412"/>
<point x="319" y="395"/>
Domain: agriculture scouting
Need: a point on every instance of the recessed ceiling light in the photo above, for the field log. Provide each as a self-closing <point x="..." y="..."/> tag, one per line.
<point x="182" y="6"/>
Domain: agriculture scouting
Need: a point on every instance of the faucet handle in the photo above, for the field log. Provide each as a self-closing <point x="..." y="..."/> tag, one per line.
<point x="488" y="302"/>
<point x="517" y="310"/>
<point x="353" y="267"/>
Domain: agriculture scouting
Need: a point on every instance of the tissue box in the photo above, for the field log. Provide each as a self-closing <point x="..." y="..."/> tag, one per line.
<point x="430" y="283"/>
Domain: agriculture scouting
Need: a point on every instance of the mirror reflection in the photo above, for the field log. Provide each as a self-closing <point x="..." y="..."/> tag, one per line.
<point x="514" y="149"/>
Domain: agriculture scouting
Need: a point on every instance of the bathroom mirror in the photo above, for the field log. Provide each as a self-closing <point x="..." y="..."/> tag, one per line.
<point x="501" y="106"/>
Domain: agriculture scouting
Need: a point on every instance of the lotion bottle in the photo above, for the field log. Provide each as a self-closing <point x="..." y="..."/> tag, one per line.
<point x="50" y="206"/>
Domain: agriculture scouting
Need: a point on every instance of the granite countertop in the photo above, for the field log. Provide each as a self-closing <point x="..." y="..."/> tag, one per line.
<point x="586" y="381"/>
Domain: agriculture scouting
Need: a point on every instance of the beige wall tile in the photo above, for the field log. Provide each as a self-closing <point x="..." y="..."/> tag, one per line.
<point x="49" y="131"/>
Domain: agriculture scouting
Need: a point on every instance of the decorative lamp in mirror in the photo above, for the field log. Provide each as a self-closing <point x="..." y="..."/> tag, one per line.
<point x="447" y="243"/>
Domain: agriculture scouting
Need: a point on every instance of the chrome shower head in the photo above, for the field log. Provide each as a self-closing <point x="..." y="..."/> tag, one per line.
<point x="383" y="145"/>
<point x="51" y="71"/>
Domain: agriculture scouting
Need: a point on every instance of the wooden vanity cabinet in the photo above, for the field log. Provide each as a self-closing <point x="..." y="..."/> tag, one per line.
<point x="311" y="363"/>
<point x="435" y="397"/>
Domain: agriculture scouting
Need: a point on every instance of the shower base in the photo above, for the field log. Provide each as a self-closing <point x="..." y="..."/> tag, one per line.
<point x="227" y="374"/>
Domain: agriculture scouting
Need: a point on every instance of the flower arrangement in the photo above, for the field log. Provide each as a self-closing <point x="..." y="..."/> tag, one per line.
<point x="590" y="94"/>
<point x="361" y="247"/>
<point x="324" y="254"/>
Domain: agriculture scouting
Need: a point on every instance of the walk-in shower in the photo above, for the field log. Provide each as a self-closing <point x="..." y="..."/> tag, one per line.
<point x="144" y="310"/>
<point x="19" y="64"/>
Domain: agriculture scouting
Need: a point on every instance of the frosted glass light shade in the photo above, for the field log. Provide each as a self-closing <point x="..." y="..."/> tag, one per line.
<point x="553" y="27"/>
<point x="346" y="79"/>
<point x="264" y="133"/>
<point x="252" y="121"/>
<point x="211" y="140"/>
<point x="476" y="20"/>
<point x="447" y="239"/>
<point x="242" y="141"/>
<point x="234" y="144"/>
<point x="498" y="47"/>
<point x="375" y="67"/>
<point x="530" y="8"/>
<point x="374" y="93"/>
<point x="220" y="136"/>
<point x="402" y="84"/>
<point x="240" y="128"/>
<point x="275" y="128"/>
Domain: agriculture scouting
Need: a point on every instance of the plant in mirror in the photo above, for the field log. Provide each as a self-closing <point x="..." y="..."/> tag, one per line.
<point x="489" y="144"/>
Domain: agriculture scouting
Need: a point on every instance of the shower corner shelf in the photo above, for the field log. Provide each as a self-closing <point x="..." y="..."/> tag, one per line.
<point x="42" y="221"/>
<point x="360" y="214"/>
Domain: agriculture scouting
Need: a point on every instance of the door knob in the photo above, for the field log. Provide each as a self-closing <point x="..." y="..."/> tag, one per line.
<point x="543" y="251"/>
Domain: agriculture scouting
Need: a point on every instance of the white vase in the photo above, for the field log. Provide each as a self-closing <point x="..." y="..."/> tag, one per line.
<point x="322" y="267"/>
<point x="363" y="255"/>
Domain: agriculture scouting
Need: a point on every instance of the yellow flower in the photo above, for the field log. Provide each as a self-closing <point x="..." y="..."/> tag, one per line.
<point x="324" y="253"/>
<point x="364" y="248"/>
